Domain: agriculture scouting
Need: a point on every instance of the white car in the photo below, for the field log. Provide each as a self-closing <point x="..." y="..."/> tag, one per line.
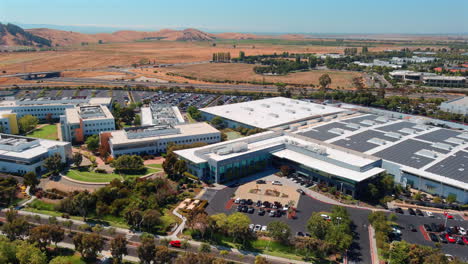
<point x="257" y="228"/>
<point x="430" y="214"/>
<point x="326" y="217"/>
<point x="462" y="230"/>
<point x="286" y="207"/>
<point x="251" y="227"/>
<point x="237" y="201"/>
<point x="264" y="228"/>
<point x="276" y="183"/>
<point x="396" y="230"/>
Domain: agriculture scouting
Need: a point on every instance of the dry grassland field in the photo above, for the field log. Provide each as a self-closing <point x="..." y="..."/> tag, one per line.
<point x="123" y="54"/>
<point x="244" y="72"/>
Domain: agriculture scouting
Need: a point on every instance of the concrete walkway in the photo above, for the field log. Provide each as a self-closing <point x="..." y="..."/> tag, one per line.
<point x="373" y="246"/>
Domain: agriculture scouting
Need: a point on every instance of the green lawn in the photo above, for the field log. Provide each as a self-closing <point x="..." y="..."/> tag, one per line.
<point x="45" y="132"/>
<point x="89" y="176"/>
<point x="157" y="166"/>
<point x="233" y="135"/>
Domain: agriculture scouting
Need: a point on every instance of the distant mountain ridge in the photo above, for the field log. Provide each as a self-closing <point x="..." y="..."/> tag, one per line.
<point x="13" y="35"/>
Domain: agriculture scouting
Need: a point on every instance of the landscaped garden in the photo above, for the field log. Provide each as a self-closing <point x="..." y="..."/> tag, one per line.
<point x="45" y="132"/>
<point x="93" y="176"/>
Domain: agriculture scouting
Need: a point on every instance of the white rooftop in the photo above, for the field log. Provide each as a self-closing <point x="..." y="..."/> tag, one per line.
<point x="271" y="112"/>
<point x="462" y="101"/>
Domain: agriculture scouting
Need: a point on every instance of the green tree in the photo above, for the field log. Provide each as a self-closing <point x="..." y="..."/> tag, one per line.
<point x="53" y="163"/>
<point x="238" y="225"/>
<point x="27" y="123"/>
<point x="137" y="120"/>
<point x="451" y="198"/>
<point x="83" y="202"/>
<point x="205" y="247"/>
<point x="129" y="164"/>
<point x="147" y="250"/>
<point x="279" y="231"/>
<point x="118" y="248"/>
<point x="194" y="113"/>
<point x="29" y="254"/>
<point x="16" y="227"/>
<point x="77" y="159"/>
<point x="45" y="234"/>
<point x="89" y="245"/>
<point x="92" y="143"/>
<point x="30" y="179"/>
<point x="163" y="255"/>
<point x="317" y="226"/>
<point x="261" y="260"/>
<point x="324" y="82"/>
<point x="218" y="122"/>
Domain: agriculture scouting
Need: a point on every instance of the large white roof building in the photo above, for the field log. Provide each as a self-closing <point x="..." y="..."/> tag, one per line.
<point x="269" y="113"/>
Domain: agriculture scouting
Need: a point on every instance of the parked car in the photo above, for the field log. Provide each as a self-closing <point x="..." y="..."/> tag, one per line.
<point x="266" y="204"/>
<point x="300" y="191"/>
<point x="257" y="228"/>
<point x="434" y="227"/>
<point x="276" y="183"/>
<point x="449" y="216"/>
<point x="430" y="214"/>
<point x="411" y="211"/>
<point x="326" y="217"/>
<point x="242" y="201"/>
<point x="249" y="202"/>
<point x="412" y="228"/>
<point x="461" y="231"/>
<point x="399" y="210"/>
<point x="259" y="203"/>
<point x="433" y="237"/>
<point x="260" y="181"/>
<point x="460" y="241"/>
<point x="237" y="201"/>
<point x="251" y="227"/>
<point x="264" y="228"/>
<point x="261" y="211"/>
<point x="272" y="213"/>
<point x="419" y="212"/>
<point x="245" y="209"/>
<point x="450" y="238"/>
<point x="250" y="210"/>
<point x="465" y="239"/>
<point x="239" y="208"/>
<point x="175" y="243"/>
<point x="427" y="228"/>
<point x="300" y="234"/>
<point x="442" y="238"/>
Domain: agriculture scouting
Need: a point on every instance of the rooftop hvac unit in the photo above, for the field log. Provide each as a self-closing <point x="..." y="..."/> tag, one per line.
<point x="393" y="135"/>
<point x="248" y="109"/>
<point x="377" y="141"/>
<point x="382" y="119"/>
<point x="455" y="140"/>
<point x="239" y="147"/>
<point x="427" y="153"/>
<point x="353" y="125"/>
<point x="443" y="146"/>
<point x="408" y="131"/>
<point x="336" y="130"/>
<point x="265" y="105"/>
<point x="368" y="122"/>
<point x="306" y="108"/>
<point x="273" y="115"/>
<point x="463" y="135"/>
<point x="320" y="106"/>
<point x="290" y="111"/>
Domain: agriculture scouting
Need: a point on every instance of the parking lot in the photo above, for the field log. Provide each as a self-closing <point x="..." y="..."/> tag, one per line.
<point x="223" y="201"/>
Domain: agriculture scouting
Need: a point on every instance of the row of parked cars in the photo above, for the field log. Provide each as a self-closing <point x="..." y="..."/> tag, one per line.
<point x="418" y="212"/>
<point x="452" y="234"/>
<point x="275" y="209"/>
<point x="303" y="181"/>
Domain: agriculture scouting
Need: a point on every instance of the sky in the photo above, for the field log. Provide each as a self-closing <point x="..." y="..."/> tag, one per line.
<point x="257" y="16"/>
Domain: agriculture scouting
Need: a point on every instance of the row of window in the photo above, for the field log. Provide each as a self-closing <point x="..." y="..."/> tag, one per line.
<point x="100" y="124"/>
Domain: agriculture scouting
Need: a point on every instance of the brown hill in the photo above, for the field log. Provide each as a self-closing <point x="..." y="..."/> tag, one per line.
<point x="12" y="35"/>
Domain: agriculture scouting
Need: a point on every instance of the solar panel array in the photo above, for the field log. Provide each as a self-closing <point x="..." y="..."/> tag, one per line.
<point x="454" y="166"/>
<point x="322" y="132"/>
<point x="439" y="136"/>
<point x="359" y="142"/>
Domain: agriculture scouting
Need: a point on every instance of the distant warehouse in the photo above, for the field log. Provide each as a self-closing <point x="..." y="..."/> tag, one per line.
<point x="456" y="106"/>
<point x="269" y="113"/>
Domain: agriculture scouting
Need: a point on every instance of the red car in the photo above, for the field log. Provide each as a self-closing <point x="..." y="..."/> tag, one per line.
<point x="449" y="238"/>
<point x="175" y="243"/>
<point x="465" y="239"/>
<point x="449" y="216"/>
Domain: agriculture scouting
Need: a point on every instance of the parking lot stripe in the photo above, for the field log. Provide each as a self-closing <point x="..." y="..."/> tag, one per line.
<point x="229" y="204"/>
<point x="424" y="233"/>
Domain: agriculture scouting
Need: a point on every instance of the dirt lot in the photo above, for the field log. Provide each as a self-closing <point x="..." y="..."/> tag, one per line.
<point x="100" y="56"/>
<point x="286" y="193"/>
<point x="244" y="72"/>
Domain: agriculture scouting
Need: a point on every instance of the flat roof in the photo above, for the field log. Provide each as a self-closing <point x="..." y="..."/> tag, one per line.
<point x="272" y="112"/>
<point x="39" y="147"/>
<point x="327" y="166"/>
<point x="461" y="101"/>
<point x="454" y="166"/>
<point x="120" y="136"/>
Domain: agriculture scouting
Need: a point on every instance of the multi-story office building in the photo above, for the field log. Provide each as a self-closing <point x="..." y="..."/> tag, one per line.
<point x="8" y="122"/>
<point x="151" y="140"/>
<point x="160" y="114"/>
<point x="19" y="154"/>
<point x="43" y="108"/>
<point x="82" y="121"/>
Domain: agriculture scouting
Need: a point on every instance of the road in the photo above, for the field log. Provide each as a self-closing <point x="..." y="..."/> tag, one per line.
<point x="133" y="239"/>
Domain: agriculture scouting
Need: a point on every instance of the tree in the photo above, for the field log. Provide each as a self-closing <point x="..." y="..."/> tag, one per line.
<point x="358" y="83"/>
<point x="194" y="113"/>
<point x="180" y="167"/>
<point x="118" y="248"/>
<point x="238" y="225"/>
<point x="163" y="255"/>
<point x="27" y="253"/>
<point x="285" y="170"/>
<point x="151" y="219"/>
<point x="279" y="231"/>
<point x="68" y="224"/>
<point x="82" y="202"/>
<point x="218" y="122"/>
<point x="53" y="163"/>
<point x="30" y="179"/>
<point x="16" y="227"/>
<point x="324" y="82"/>
<point x="49" y="118"/>
<point x="147" y="250"/>
<point x="205" y="248"/>
<point x="92" y="143"/>
<point x="260" y="260"/>
<point x="27" y="123"/>
<point x="137" y="120"/>
<point x="451" y="198"/>
<point x="129" y="164"/>
<point x="89" y="245"/>
<point x="77" y="159"/>
<point x="317" y="226"/>
<point x="365" y="50"/>
<point x="241" y="56"/>
<point x="45" y="234"/>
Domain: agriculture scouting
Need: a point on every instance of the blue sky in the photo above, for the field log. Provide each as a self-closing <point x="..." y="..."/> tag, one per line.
<point x="293" y="16"/>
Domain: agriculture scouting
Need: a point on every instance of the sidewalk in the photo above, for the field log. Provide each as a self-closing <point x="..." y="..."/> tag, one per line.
<point x="373" y="246"/>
